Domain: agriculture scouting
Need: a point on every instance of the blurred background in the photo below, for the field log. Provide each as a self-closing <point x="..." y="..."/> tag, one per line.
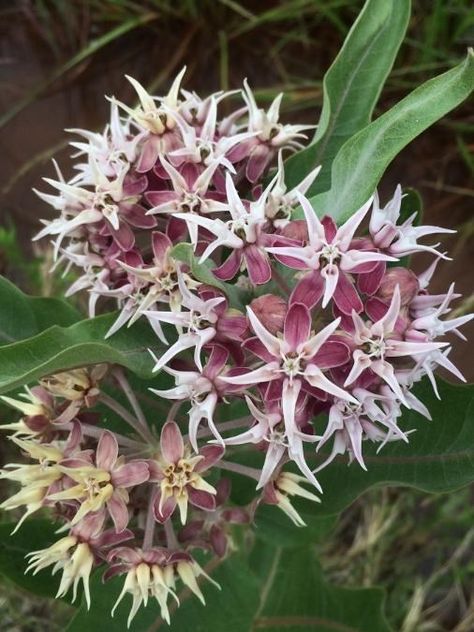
<point x="58" y="58"/>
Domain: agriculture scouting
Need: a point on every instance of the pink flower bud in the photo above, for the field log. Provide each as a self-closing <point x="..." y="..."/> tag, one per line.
<point x="405" y="279"/>
<point x="271" y="311"/>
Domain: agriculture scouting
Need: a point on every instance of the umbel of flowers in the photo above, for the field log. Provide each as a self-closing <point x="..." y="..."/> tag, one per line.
<point x="314" y="332"/>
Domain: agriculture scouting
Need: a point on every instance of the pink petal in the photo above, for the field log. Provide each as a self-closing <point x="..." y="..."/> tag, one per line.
<point x="218" y="540"/>
<point x="232" y="326"/>
<point x="107" y="451"/>
<point x="124" y="236"/>
<point x="330" y="228"/>
<point x="256" y="346"/>
<point x="131" y="474"/>
<point x="309" y="290"/>
<point x="161" y="243"/>
<point x="297" y="326"/>
<point x="149" y="155"/>
<point x="257" y="163"/>
<point x="216" y="362"/>
<point x="346" y="297"/>
<point x="211" y="454"/>
<point x="368" y="283"/>
<point x="171" y="442"/>
<point x="201" y="499"/>
<point x="136" y="216"/>
<point x="157" y="198"/>
<point x="331" y="354"/>
<point x="258" y="265"/>
<point x="230" y="267"/>
<point x="118" y="511"/>
<point x="167" y="509"/>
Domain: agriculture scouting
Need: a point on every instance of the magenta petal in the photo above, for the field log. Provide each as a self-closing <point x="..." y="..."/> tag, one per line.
<point x="258" y="265"/>
<point x="118" y="511"/>
<point x="230" y="267"/>
<point x="297" y="325"/>
<point x="256" y="346"/>
<point x="166" y="511"/>
<point x="156" y="198"/>
<point x="75" y="462"/>
<point x="136" y="216"/>
<point x="309" y="290"/>
<point x="345" y="295"/>
<point x="201" y="499"/>
<point x="171" y="442"/>
<point x="232" y="326"/>
<point x="368" y="283"/>
<point x="149" y="155"/>
<point x="131" y="474"/>
<point x="211" y="454"/>
<point x="218" y="540"/>
<point x="330" y="227"/>
<point x="257" y="162"/>
<point x="216" y="362"/>
<point x="123" y="237"/>
<point x="331" y="354"/>
<point x="107" y="451"/>
<point x="161" y="243"/>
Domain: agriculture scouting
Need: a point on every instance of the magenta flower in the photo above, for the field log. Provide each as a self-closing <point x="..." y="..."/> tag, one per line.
<point x="330" y="257"/>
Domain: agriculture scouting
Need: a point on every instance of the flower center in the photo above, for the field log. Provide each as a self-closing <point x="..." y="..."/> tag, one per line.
<point x="190" y="203"/>
<point x="292" y="365"/>
<point x="178" y="475"/>
<point x="329" y="255"/>
<point x="375" y="348"/>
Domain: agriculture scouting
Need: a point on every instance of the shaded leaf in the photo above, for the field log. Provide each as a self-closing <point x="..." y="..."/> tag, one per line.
<point x="22" y="316"/>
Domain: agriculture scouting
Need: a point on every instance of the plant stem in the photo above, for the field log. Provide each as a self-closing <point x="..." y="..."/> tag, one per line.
<point x="126" y="416"/>
<point x="95" y="431"/>
<point x="132" y="398"/>
<point x="251" y="472"/>
<point x="150" y="523"/>
<point x="171" y="539"/>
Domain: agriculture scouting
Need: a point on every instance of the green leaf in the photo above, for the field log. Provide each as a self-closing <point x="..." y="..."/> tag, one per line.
<point x="231" y="609"/>
<point x="296" y="598"/>
<point x="202" y="272"/>
<point x="281" y="591"/>
<point x="362" y="160"/>
<point x="352" y="86"/>
<point x="63" y="348"/>
<point x="438" y="458"/>
<point x="32" y="536"/>
<point x="23" y="316"/>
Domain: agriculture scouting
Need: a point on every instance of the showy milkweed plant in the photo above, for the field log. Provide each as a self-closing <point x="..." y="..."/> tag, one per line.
<point x="269" y="306"/>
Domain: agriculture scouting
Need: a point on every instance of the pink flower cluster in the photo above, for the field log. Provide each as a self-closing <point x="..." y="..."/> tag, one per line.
<point x="313" y="332"/>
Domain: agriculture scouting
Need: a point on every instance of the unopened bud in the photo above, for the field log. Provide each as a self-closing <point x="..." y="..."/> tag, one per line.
<point x="270" y="311"/>
<point x="297" y="229"/>
<point x="406" y="281"/>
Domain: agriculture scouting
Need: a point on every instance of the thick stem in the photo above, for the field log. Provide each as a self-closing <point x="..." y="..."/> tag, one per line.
<point x="150" y="523"/>
<point x="251" y="472"/>
<point x="171" y="539"/>
<point x="126" y="416"/>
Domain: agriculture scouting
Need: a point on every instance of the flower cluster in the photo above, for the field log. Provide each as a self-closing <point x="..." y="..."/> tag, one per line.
<point x="278" y="331"/>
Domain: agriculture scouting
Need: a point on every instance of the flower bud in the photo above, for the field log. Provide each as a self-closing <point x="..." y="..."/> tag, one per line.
<point x="405" y="279"/>
<point x="296" y="229"/>
<point x="270" y="311"/>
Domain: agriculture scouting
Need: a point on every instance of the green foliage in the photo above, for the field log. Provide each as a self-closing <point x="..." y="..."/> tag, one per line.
<point x="352" y="86"/>
<point x="23" y="316"/>
<point x="362" y="160"/>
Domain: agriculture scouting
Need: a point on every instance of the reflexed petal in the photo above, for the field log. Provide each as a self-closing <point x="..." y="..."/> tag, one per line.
<point x="297" y="326"/>
<point x="107" y="451"/>
<point x="171" y="442"/>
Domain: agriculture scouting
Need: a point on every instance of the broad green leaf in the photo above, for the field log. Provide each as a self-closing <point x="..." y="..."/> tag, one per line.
<point x="23" y="316"/>
<point x="62" y="348"/>
<point x="296" y="598"/>
<point x="352" y="86"/>
<point x="281" y="591"/>
<point x="362" y="160"/>
<point x="231" y="609"/>
<point x="32" y="536"/>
